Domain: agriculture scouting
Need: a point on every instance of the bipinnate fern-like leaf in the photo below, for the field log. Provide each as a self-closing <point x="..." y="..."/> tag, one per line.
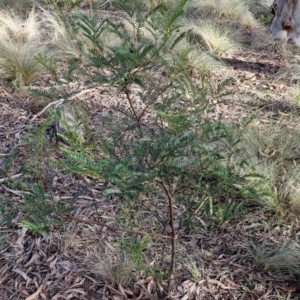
<point x="82" y="163"/>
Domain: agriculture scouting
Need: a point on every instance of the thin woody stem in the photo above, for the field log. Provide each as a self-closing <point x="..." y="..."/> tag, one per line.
<point x="173" y="234"/>
<point x="127" y="93"/>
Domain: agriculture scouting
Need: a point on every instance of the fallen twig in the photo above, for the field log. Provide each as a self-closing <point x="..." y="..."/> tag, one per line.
<point x="15" y="192"/>
<point x="11" y="177"/>
<point x="58" y="102"/>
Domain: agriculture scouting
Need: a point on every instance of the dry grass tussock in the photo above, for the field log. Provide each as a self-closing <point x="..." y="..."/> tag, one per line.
<point x="211" y="37"/>
<point x="20" y="42"/>
<point x="273" y="153"/>
<point x="115" y="267"/>
<point x="283" y="259"/>
<point x="195" y="59"/>
<point x="224" y="9"/>
<point x="247" y="19"/>
<point x="220" y="11"/>
<point x="61" y="37"/>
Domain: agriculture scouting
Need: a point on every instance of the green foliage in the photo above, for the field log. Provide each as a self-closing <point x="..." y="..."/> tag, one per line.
<point x="159" y="141"/>
<point x="40" y="148"/>
<point x="33" y="227"/>
<point x="168" y="140"/>
<point x="8" y="210"/>
<point x="41" y="213"/>
<point x="266" y="19"/>
<point x="115" y="267"/>
<point x="135" y="249"/>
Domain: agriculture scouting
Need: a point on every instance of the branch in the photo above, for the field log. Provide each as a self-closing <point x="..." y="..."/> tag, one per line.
<point x="11" y="177"/>
<point x="131" y="106"/>
<point x="58" y="102"/>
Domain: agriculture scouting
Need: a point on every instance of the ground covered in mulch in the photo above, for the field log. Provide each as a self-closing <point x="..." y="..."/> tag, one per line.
<point x="68" y="262"/>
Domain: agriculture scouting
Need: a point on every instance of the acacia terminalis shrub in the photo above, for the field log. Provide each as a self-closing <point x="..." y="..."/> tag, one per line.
<point x="158" y="142"/>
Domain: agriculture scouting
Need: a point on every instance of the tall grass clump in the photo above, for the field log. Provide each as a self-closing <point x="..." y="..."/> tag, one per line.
<point x="283" y="260"/>
<point x="20" y="43"/>
<point x="248" y="20"/>
<point x="273" y="152"/>
<point x="214" y="38"/>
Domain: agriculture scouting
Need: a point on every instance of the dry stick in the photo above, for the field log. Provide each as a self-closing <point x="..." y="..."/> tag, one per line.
<point x="91" y="222"/>
<point x="103" y="3"/>
<point x="11" y="177"/>
<point x="173" y="236"/>
<point x="57" y="102"/>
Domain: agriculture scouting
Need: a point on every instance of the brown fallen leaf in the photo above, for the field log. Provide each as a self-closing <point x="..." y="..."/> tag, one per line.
<point x="36" y="294"/>
<point x="289" y="289"/>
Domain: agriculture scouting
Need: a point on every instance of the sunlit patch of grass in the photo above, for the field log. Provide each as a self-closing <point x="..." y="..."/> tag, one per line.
<point x="212" y="37"/>
<point x="283" y="260"/>
<point x="247" y="19"/>
<point x="226" y="9"/>
<point x="20" y="42"/>
<point x="195" y="60"/>
<point x="194" y="269"/>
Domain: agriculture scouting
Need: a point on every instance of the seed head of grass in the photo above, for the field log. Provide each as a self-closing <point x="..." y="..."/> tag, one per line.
<point x="151" y="4"/>
<point x="20" y="42"/>
<point x="247" y="19"/>
<point x="214" y="38"/>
